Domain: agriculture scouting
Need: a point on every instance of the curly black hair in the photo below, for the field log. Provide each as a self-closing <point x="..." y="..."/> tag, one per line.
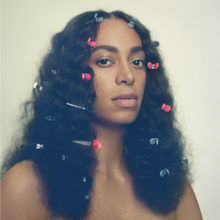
<point x="65" y="169"/>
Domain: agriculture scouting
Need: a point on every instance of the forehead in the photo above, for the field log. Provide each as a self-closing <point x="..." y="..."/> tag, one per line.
<point x="116" y="32"/>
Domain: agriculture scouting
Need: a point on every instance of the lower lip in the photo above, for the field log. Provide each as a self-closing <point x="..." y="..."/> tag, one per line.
<point x="128" y="103"/>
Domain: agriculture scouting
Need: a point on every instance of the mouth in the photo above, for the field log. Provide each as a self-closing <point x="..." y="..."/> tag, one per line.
<point x="126" y="100"/>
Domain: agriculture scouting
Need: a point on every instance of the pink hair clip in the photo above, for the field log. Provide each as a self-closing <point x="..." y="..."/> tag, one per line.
<point x="86" y="76"/>
<point x="152" y="66"/>
<point x="91" y="44"/>
<point x="96" y="144"/>
<point x="165" y="107"/>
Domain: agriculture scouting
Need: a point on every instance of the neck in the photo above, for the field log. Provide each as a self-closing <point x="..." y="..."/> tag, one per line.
<point x="110" y="156"/>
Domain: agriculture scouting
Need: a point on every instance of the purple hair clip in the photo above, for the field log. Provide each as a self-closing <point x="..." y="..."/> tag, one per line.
<point x="95" y="19"/>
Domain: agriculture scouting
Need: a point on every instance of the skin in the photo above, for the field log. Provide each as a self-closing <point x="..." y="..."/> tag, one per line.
<point x="113" y="197"/>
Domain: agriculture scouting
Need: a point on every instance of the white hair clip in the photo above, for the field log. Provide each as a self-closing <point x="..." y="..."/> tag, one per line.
<point x="164" y="172"/>
<point x="36" y="86"/>
<point x="185" y="162"/>
<point x="39" y="146"/>
<point x="154" y="141"/>
<point x="132" y="22"/>
<point x="87" y="196"/>
<point x="155" y="43"/>
<point x="89" y="109"/>
<point x="49" y="118"/>
<point x="55" y="72"/>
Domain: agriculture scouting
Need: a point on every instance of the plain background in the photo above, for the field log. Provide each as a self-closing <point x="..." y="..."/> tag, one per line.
<point x="189" y="34"/>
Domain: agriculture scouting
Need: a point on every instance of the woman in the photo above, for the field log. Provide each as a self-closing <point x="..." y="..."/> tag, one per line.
<point x="100" y="140"/>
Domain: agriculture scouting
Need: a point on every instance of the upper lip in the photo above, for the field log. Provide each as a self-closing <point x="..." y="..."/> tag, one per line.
<point x="126" y="96"/>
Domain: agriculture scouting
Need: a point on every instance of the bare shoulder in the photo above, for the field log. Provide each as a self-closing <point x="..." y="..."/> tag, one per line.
<point x="188" y="207"/>
<point x="21" y="194"/>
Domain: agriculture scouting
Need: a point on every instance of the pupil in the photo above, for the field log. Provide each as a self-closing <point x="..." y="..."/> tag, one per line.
<point x="103" y="61"/>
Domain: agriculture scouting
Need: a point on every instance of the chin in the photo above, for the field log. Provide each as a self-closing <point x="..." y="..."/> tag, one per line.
<point x="117" y="119"/>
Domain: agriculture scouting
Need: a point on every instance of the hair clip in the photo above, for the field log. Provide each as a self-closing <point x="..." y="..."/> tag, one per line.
<point x="84" y="179"/>
<point x="96" y="19"/>
<point x="49" y="118"/>
<point x="91" y="44"/>
<point x="155" y="43"/>
<point x="96" y="144"/>
<point x="132" y="22"/>
<point x="165" y="107"/>
<point x="39" y="146"/>
<point x="185" y="162"/>
<point x="37" y="86"/>
<point x="86" y="76"/>
<point x="87" y="196"/>
<point x="89" y="109"/>
<point x="55" y="72"/>
<point x="63" y="157"/>
<point x="152" y="66"/>
<point x="164" y="172"/>
<point x="87" y="143"/>
<point x="154" y="141"/>
<point x="62" y="48"/>
<point x="51" y="50"/>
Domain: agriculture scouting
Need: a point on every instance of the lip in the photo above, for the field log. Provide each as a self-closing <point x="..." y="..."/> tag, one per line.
<point x="126" y="100"/>
<point x="126" y="96"/>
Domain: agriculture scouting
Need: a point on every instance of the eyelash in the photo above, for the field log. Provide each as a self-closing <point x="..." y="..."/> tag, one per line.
<point x="104" y="62"/>
<point x="100" y="61"/>
<point x="140" y="61"/>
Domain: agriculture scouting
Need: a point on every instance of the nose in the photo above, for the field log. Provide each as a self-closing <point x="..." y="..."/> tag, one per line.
<point x="125" y="74"/>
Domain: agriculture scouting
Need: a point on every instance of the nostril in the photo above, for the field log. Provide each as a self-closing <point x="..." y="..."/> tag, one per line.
<point x="123" y="81"/>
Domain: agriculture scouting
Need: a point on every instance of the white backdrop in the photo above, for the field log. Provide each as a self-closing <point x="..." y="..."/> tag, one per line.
<point x="189" y="34"/>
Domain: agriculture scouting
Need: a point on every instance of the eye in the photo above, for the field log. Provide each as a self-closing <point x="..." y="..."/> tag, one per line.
<point x="103" y="62"/>
<point x="138" y="63"/>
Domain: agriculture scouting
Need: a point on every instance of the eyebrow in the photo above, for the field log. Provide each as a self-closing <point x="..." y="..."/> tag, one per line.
<point x="115" y="50"/>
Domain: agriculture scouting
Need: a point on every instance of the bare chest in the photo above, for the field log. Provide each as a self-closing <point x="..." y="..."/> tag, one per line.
<point x="117" y="200"/>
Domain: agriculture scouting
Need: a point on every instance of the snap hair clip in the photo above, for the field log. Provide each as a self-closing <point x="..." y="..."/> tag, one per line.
<point x="91" y="44"/>
<point x="154" y="141"/>
<point x="132" y="22"/>
<point x="49" y="118"/>
<point x="62" y="48"/>
<point x="165" y="107"/>
<point x="87" y="196"/>
<point x="89" y="109"/>
<point x="96" y="144"/>
<point x="55" y="72"/>
<point x="95" y="19"/>
<point x="39" y="146"/>
<point x="51" y="50"/>
<point x="152" y="66"/>
<point x="185" y="162"/>
<point x="36" y="86"/>
<point x="86" y="143"/>
<point x="164" y="172"/>
<point x="155" y="43"/>
<point x="86" y="76"/>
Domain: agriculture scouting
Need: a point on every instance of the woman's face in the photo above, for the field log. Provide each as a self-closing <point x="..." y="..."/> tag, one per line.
<point x="120" y="76"/>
